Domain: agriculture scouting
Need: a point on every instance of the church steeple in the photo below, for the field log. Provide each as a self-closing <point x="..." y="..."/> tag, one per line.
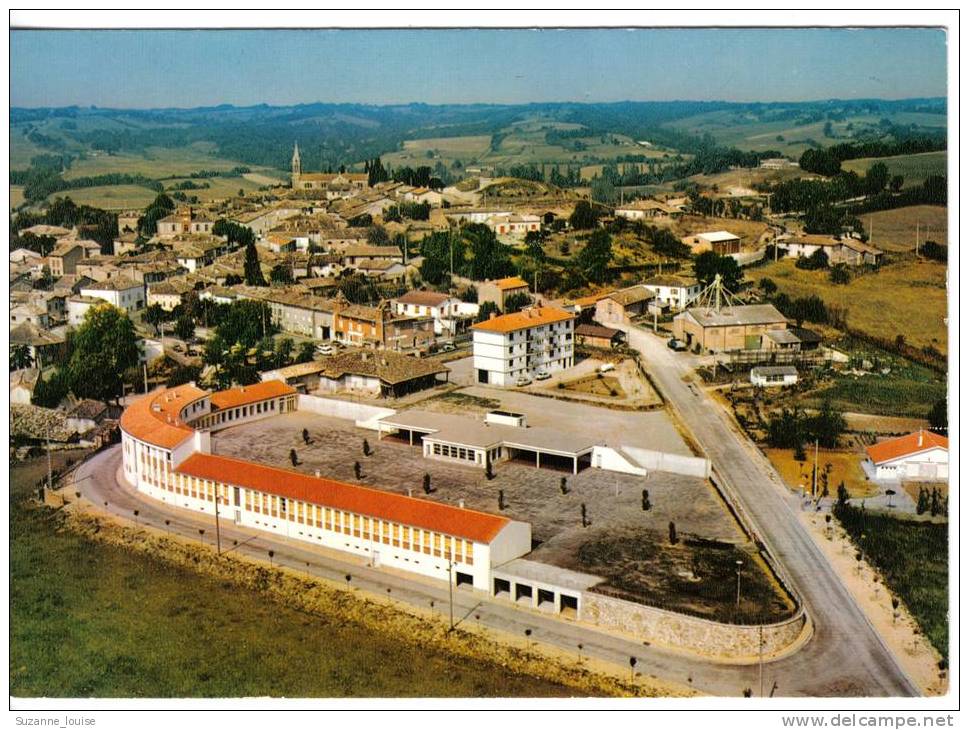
<point x="297" y="165"/>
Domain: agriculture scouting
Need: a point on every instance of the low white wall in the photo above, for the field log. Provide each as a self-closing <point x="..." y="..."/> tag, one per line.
<point x="609" y="459"/>
<point x="363" y="415"/>
<point x="634" y="460"/>
<point x="692" y="466"/>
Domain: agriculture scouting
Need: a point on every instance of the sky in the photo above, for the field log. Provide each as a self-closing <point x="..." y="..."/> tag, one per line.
<point x="164" y="68"/>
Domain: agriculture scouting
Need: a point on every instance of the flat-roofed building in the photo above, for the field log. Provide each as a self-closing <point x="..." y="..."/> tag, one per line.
<point x="511" y="346"/>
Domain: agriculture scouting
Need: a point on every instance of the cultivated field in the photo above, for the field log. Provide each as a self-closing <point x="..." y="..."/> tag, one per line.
<point x="156" y="163"/>
<point x="894" y="230"/>
<point x="110" y="197"/>
<point x="907" y="298"/>
<point x="219" y="188"/>
<point x="749" y="132"/>
<point x="914" y="168"/>
<point x="749" y="231"/>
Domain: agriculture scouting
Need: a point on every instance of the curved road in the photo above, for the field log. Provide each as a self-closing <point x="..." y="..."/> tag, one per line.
<point x="846" y="656"/>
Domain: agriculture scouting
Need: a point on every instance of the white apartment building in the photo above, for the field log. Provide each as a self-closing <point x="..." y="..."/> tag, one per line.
<point x="525" y="343"/>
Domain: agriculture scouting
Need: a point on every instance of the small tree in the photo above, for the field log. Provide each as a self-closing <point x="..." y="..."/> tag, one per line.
<point x="799" y="454"/>
<point x="427" y="483"/>
<point x="366" y="447"/>
<point x="923" y="503"/>
<point x="672" y="533"/>
<point x="842" y="494"/>
<point x="306" y="436"/>
<point x="890" y="493"/>
<point x="357" y="469"/>
<point x="895" y="605"/>
<point x="292" y="457"/>
<point x="564" y="485"/>
<point x="501" y="499"/>
<point x="936" y="502"/>
<point x="585" y="518"/>
<point x="647" y="505"/>
<point x="489" y="474"/>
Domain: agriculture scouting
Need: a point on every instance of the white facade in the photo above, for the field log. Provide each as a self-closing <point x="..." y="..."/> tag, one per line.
<point x="129" y="299"/>
<point x="500" y="358"/>
<point x="929" y="465"/>
<point x="676" y="297"/>
<point x="766" y="377"/>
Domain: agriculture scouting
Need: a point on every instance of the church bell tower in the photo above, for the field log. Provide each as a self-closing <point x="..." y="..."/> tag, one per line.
<point x="297" y="165"/>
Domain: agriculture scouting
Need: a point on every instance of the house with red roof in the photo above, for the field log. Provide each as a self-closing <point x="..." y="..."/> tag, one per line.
<point x="920" y="456"/>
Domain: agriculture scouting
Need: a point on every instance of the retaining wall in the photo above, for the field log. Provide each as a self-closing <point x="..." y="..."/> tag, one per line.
<point x="634" y="460"/>
<point x="710" y="638"/>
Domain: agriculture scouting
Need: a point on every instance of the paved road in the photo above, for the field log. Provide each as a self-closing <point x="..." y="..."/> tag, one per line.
<point x="845" y="655"/>
<point x="99" y="481"/>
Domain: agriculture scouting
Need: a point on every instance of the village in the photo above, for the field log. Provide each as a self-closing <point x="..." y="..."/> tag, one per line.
<point x="620" y="398"/>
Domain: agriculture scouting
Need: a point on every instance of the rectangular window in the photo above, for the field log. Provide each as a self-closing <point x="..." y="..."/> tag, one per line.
<point x="468" y="553"/>
<point x="366" y="528"/>
<point x="385" y="532"/>
<point x="356" y="525"/>
<point x="447" y="547"/>
<point x="329" y="518"/>
<point x="396" y="535"/>
<point x="426" y="542"/>
<point x="437" y="545"/>
<point x="345" y="520"/>
<point x="405" y="543"/>
<point x="248" y="501"/>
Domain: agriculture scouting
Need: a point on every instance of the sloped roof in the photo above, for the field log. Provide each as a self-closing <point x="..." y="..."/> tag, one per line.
<point x="460" y="522"/>
<point x="533" y="317"/>
<point x="423" y="298"/>
<point x="247" y="394"/>
<point x="389" y="367"/>
<point x="154" y="418"/>
<point x="907" y="445"/>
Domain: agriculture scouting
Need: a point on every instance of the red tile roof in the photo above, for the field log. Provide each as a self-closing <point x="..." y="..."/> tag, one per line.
<point x="533" y="317"/>
<point x="912" y="443"/>
<point x="247" y="394"/>
<point x="154" y="418"/>
<point x="464" y="523"/>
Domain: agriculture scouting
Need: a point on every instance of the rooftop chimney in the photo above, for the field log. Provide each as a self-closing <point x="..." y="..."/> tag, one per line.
<point x="493" y="315"/>
<point x="317" y="473"/>
<point x="461" y="503"/>
<point x="920" y="437"/>
<point x="410" y="491"/>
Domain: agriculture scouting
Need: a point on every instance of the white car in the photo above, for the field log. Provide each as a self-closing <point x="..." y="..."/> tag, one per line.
<point x="542" y="375"/>
<point x="522" y="381"/>
<point x="325" y="349"/>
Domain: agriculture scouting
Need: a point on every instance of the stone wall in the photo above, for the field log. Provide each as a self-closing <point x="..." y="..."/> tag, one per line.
<point x="710" y="638"/>
<point x="361" y="414"/>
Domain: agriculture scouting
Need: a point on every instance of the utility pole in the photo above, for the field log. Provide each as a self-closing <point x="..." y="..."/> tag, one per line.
<point x="50" y="471"/>
<point x="814" y="482"/>
<point x="916" y="237"/>
<point x="146" y="376"/>
<point x="761" y="632"/>
<point x="218" y="533"/>
<point x="450" y="594"/>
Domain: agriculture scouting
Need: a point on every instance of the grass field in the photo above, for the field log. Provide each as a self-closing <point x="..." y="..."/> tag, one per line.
<point x="894" y="230"/>
<point x="895" y="394"/>
<point x="91" y="620"/>
<point x="914" y="168"/>
<point x="907" y="298"/>
<point x="219" y="187"/>
<point x="747" y="131"/>
<point x="845" y="467"/>
<point x="16" y="195"/>
<point x="110" y="197"/>
<point x="914" y="558"/>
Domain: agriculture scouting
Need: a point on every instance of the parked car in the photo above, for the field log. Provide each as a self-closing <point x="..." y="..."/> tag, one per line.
<point x="448" y="347"/>
<point x="542" y="375"/>
<point x="325" y="349"/>
<point x="605" y="368"/>
<point x="675" y="344"/>
<point x="177" y="347"/>
<point x="522" y="381"/>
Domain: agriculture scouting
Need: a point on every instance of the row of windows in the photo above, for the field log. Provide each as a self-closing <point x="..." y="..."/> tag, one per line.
<point x="456" y="452"/>
<point x="333" y="520"/>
